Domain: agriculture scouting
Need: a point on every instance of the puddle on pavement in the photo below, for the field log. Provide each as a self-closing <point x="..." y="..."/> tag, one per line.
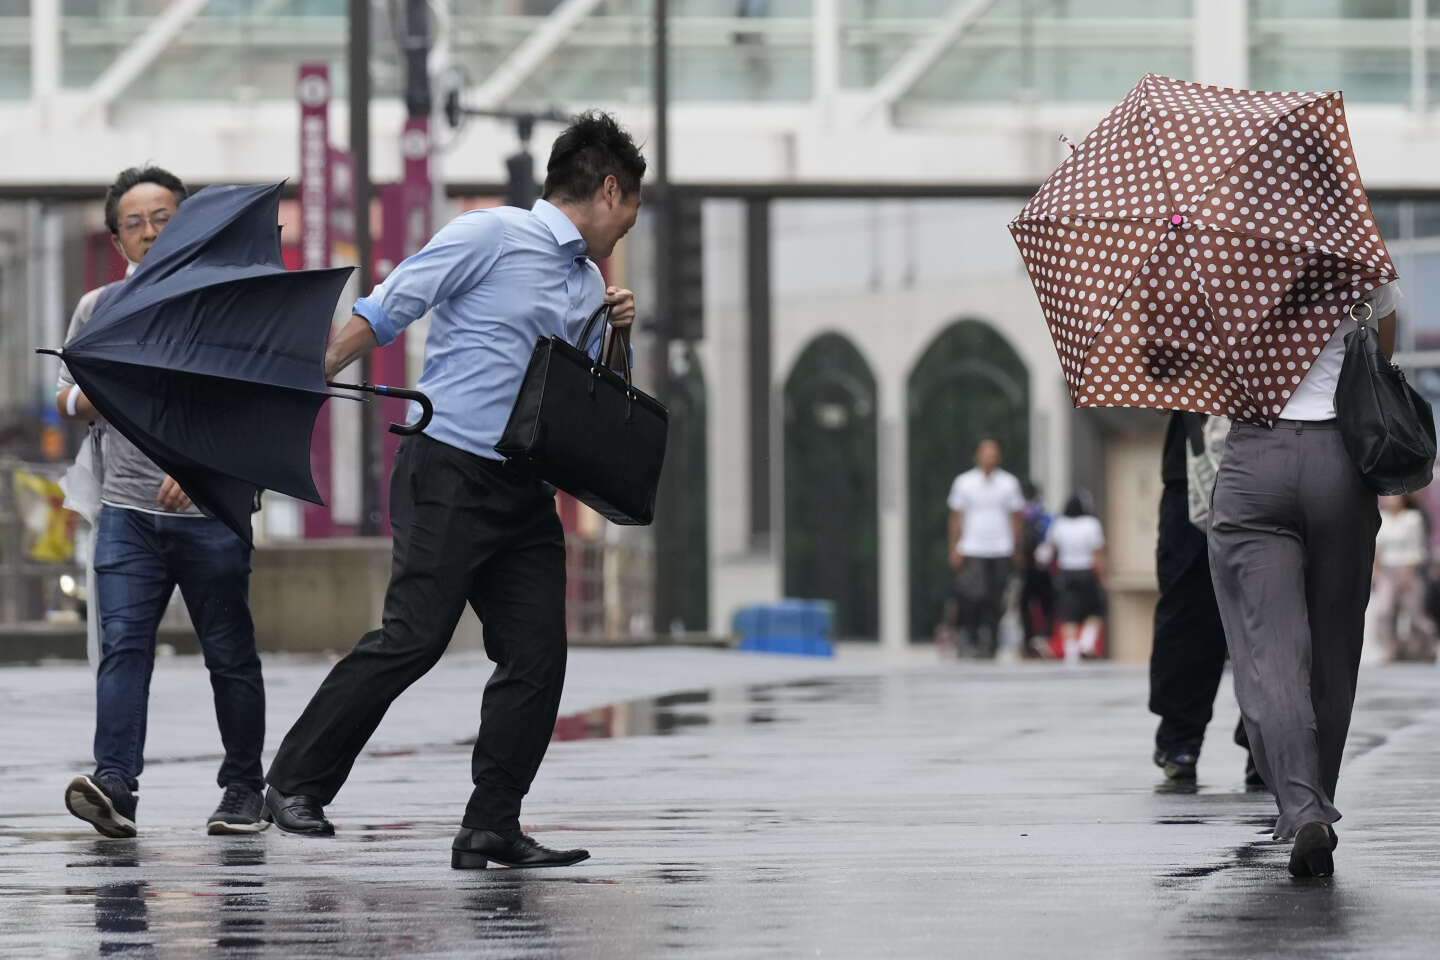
<point x="714" y="708"/>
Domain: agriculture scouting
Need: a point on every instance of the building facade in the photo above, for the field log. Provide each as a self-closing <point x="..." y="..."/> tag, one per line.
<point x="871" y="150"/>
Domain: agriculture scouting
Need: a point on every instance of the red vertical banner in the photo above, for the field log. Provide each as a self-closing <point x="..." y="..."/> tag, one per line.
<point x="312" y="90"/>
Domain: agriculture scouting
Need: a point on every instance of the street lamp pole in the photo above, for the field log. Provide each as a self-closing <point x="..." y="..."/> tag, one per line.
<point x="370" y="441"/>
<point x="663" y="325"/>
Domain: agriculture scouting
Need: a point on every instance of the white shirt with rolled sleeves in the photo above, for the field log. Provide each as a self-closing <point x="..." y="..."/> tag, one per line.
<point x="987" y="503"/>
<point x="1314" y="398"/>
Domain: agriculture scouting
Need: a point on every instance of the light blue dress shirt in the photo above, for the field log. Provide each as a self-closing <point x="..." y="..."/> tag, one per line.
<point x="497" y="281"/>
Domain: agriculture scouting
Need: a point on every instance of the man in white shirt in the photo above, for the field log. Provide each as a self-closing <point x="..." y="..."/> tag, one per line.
<point x="986" y="506"/>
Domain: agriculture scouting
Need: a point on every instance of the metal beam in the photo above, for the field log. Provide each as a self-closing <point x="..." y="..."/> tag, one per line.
<point x="827" y="56"/>
<point x="139" y="55"/>
<point x="531" y="53"/>
<point x="911" y="67"/>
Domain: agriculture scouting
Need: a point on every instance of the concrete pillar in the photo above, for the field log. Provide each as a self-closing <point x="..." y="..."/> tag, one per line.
<point x="44" y="57"/>
<point x="1222" y="47"/>
<point x="826" y="59"/>
<point x="894" y="482"/>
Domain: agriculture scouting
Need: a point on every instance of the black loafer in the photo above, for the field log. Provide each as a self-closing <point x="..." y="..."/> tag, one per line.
<point x="297" y="813"/>
<point x="1312" y="855"/>
<point x="477" y="849"/>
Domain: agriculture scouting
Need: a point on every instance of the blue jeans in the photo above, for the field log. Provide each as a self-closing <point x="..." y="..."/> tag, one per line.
<point x="139" y="560"/>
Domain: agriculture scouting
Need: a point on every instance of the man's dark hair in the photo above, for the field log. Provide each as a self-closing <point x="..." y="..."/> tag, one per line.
<point x="591" y="149"/>
<point x="133" y="177"/>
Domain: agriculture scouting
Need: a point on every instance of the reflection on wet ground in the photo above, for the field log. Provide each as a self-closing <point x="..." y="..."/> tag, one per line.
<point x="934" y="813"/>
<point x="671" y="713"/>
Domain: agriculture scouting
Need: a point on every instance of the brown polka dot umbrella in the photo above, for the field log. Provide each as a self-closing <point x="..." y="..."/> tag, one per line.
<point x="1199" y="248"/>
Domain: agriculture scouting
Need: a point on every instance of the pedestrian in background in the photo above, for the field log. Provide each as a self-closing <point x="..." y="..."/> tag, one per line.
<point x="149" y="539"/>
<point x="1037" y="592"/>
<point x="986" y="516"/>
<point x="1187" y="658"/>
<point x="1076" y="543"/>
<point x="1292" y="543"/>
<point x="1403" y="629"/>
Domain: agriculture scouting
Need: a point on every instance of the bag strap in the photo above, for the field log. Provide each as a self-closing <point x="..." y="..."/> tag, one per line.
<point x="602" y="310"/>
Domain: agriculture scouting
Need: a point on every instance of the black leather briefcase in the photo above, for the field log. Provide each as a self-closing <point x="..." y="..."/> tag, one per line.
<point x="586" y="429"/>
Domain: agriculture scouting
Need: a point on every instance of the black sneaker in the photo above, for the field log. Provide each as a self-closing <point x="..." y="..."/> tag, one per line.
<point x="1178" y="764"/>
<point x="241" y="811"/>
<point x="105" y="803"/>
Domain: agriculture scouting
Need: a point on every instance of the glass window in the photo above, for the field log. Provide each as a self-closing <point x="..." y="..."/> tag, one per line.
<point x="1061" y="51"/>
<point x="1361" y="47"/>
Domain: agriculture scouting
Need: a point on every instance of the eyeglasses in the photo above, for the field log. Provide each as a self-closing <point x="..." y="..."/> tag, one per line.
<point x="135" y="223"/>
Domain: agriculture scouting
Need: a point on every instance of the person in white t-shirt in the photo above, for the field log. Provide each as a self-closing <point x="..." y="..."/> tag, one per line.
<point x="1076" y="545"/>
<point x="1398" y="595"/>
<point x="986" y="506"/>
<point x="1292" y="541"/>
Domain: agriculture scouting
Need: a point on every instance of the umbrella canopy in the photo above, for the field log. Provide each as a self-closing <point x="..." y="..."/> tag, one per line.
<point x="210" y="358"/>
<point x="1199" y="248"/>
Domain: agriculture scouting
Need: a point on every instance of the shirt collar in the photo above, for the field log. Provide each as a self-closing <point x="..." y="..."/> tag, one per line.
<point x="561" y="226"/>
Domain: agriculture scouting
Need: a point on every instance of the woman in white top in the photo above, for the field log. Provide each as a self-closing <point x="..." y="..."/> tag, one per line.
<point x="1076" y="542"/>
<point x="1292" y="540"/>
<point x="1401" y="555"/>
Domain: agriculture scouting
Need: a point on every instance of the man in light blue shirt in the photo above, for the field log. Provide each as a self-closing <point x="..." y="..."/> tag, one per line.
<point x="467" y="528"/>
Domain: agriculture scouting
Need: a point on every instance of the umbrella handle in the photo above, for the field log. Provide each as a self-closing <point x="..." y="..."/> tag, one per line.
<point x="427" y="409"/>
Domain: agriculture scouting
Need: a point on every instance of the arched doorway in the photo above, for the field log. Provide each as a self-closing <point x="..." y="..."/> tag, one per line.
<point x="831" y="523"/>
<point x="969" y="384"/>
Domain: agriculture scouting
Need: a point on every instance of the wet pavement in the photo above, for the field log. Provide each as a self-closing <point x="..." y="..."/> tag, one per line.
<point x="736" y="806"/>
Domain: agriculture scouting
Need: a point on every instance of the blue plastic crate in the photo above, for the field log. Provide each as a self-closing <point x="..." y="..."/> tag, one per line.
<point x="793" y="627"/>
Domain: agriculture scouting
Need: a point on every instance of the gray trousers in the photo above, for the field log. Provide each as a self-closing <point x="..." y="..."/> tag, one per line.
<point x="1292" y="543"/>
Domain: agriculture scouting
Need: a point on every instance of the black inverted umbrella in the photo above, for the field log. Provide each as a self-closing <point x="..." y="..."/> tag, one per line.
<point x="211" y="357"/>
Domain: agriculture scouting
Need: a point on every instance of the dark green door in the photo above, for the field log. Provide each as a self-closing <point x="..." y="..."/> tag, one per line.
<point x="970" y="384"/>
<point x="831" y="523"/>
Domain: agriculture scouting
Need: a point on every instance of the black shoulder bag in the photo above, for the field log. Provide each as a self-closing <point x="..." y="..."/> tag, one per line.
<point x="586" y="429"/>
<point x="1387" y="427"/>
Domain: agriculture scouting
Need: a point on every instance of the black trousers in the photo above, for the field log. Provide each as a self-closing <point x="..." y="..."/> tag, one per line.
<point x="1188" y="657"/>
<point x="980" y="598"/>
<point x="466" y="529"/>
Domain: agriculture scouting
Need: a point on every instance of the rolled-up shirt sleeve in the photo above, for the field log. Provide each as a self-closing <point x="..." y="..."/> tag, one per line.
<point x="457" y="258"/>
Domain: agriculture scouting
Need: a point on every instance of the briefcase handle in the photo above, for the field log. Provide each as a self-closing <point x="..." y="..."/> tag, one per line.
<point x="601" y="311"/>
<point x="597" y="363"/>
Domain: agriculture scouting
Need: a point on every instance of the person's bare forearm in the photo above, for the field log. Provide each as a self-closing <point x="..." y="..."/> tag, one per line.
<point x="353" y="341"/>
<point x="1387" y="334"/>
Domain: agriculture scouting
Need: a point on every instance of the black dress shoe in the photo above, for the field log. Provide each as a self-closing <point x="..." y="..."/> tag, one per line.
<point x="297" y="814"/>
<point x="1312" y="853"/>
<point x="476" y="849"/>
